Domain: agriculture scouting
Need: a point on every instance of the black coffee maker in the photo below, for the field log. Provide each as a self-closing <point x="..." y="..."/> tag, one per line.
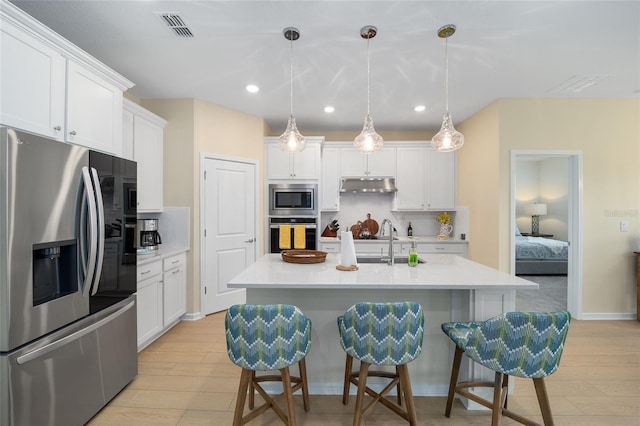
<point x="147" y="234"/>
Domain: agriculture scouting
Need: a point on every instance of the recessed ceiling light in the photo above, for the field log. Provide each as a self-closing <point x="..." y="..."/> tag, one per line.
<point x="329" y="109"/>
<point x="420" y="108"/>
<point x="252" y="88"/>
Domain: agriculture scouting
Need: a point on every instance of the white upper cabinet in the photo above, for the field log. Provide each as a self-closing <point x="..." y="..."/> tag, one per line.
<point x="52" y="88"/>
<point x="426" y="178"/>
<point x="303" y="165"/>
<point x="330" y="183"/>
<point x="411" y="177"/>
<point x="441" y="180"/>
<point x="357" y="164"/>
<point x="31" y="97"/>
<point x="145" y="131"/>
<point x="94" y="111"/>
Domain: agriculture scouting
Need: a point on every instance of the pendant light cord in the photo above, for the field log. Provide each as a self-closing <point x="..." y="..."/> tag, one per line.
<point x="291" y="73"/>
<point x="368" y="72"/>
<point x="446" y="77"/>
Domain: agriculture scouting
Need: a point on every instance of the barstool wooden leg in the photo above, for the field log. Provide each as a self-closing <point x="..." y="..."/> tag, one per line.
<point x="245" y="377"/>
<point x="286" y="384"/>
<point x="405" y="382"/>
<point x="455" y="371"/>
<point x="496" y="410"/>
<point x="362" y="386"/>
<point x="252" y="390"/>
<point x="347" y="379"/>
<point x="399" y="388"/>
<point x="305" y="388"/>
<point x="543" y="400"/>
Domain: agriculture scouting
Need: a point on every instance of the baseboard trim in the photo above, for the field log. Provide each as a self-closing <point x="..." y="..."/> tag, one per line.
<point x="192" y="316"/>
<point x="608" y="316"/>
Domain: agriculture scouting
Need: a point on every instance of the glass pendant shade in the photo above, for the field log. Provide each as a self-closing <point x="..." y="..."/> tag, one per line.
<point x="368" y="140"/>
<point x="291" y="140"/>
<point x="448" y="138"/>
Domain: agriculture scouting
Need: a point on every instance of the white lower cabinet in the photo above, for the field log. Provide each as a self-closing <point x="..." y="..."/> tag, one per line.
<point x="442" y="248"/>
<point x="149" y="303"/>
<point x="162" y="292"/>
<point x="175" y="288"/>
<point x="367" y="248"/>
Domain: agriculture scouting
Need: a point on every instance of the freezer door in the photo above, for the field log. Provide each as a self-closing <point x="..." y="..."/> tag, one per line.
<point x="66" y="378"/>
<point x="40" y="286"/>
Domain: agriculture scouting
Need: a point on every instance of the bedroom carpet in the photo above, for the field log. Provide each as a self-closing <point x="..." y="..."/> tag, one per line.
<point x="551" y="296"/>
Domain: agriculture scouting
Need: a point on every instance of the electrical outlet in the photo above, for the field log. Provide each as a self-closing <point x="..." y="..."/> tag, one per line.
<point x="624" y="226"/>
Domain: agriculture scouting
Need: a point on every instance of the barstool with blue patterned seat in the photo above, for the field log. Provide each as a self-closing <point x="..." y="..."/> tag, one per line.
<point x="264" y="338"/>
<point x="381" y="334"/>
<point x="521" y="344"/>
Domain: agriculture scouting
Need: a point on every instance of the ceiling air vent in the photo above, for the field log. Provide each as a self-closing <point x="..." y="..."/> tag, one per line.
<point x="175" y="23"/>
<point x="578" y="83"/>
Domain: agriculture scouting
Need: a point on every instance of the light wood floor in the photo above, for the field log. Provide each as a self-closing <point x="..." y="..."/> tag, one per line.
<point x="185" y="378"/>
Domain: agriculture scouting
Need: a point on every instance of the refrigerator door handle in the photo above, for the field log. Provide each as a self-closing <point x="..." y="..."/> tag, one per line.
<point x="100" y="236"/>
<point x="30" y="356"/>
<point x="88" y="254"/>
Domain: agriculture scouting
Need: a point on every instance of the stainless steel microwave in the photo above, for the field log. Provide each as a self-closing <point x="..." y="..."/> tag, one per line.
<point x="293" y="199"/>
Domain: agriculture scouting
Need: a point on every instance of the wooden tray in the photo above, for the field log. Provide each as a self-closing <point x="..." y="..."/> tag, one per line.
<point x="304" y="256"/>
<point x="371" y="225"/>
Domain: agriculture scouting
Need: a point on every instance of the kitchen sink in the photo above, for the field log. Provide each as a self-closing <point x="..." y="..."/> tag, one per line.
<point x="399" y="260"/>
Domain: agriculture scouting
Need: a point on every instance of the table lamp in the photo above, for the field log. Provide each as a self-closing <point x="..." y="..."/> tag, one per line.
<point x="535" y="210"/>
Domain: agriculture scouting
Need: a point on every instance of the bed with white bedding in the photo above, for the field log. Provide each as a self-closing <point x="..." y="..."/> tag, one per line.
<point x="541" y="256"/>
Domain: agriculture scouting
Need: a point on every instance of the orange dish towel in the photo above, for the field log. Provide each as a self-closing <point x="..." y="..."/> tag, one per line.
<point x="285" y="236"/>
<point x="299" y="238"/>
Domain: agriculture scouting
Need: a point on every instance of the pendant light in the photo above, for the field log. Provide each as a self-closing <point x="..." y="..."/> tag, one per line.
<point x="291" y="140"/>
<point x="368" y="140"/>
<point x="448" y="138"/>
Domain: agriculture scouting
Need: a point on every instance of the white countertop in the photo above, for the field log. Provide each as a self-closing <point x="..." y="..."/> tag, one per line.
<point x="440" y="272"/>
<point x="161" y="253"/>
<point x="396" y="241"/>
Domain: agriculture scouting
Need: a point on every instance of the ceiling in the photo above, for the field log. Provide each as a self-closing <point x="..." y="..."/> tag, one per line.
<point x="501" y="49"/>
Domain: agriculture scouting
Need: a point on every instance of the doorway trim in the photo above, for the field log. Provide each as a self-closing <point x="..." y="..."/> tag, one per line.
<point x="574" y="272"/>
<point x="202" y="223"/>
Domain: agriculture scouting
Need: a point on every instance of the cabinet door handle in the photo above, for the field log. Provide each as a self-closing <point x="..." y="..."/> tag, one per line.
<point x="145" y="272"/>
<point x="72" y="133"/>
<point x="250" y="240"/>
<point x="176" y="271"/>
<point x="57" y="128"/>
<point x="175" y="261"/>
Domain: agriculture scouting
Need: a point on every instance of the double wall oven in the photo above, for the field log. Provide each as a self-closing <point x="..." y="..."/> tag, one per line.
<point x="293" y="206"/>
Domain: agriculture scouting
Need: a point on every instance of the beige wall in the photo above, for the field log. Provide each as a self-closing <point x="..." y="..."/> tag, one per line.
<point x="478" y="182"/>
<point x="197" y="127"/>
<point x="608" y="134"/>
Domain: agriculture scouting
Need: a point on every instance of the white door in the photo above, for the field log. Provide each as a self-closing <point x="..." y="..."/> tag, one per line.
<point x="229" y="234"/>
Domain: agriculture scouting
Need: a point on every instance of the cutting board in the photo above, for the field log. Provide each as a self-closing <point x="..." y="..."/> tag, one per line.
<point x="355" y="230"/>
<point x="371" y="225"/>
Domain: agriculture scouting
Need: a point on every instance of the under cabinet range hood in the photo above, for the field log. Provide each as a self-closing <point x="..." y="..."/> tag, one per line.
<point x="368" y="185"/>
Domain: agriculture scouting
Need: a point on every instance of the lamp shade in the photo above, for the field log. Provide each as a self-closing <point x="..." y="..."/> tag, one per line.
<point x="535" y="209"/>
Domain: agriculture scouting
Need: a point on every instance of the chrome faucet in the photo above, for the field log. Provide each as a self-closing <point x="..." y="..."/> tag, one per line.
<point x="389" y="258"/>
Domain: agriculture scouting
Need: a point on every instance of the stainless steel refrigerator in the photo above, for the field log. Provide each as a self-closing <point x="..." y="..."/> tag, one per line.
<point x="67" y="280"/>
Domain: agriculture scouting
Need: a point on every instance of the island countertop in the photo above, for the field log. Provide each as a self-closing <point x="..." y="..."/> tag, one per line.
<point x="440" y="272"/>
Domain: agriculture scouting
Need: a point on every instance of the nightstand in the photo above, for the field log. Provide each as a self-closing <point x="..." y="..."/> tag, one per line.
<point x="524" y="234"/>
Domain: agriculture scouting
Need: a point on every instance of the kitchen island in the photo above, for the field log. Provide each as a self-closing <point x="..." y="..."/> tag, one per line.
<point x="448" y="287"/>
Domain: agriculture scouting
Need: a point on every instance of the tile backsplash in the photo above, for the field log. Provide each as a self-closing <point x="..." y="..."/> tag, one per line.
<point x="354" y="208"/>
